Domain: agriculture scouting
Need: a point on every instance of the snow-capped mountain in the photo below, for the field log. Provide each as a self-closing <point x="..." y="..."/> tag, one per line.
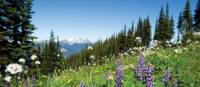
<point x="74" y="45"/>
<point x="76" y="40"/>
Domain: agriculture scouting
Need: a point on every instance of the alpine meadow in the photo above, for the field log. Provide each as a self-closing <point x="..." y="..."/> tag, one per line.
<point x="158" y="44"/>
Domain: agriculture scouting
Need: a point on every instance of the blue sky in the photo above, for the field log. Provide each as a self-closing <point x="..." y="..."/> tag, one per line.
<point x="96" y="19"/>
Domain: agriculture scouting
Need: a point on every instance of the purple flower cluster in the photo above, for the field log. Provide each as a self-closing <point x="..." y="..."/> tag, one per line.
<point x="166" y="78"/>
<point x="119" y="75"/>
<point x="82" y="84"/>
<point x="7" y="84"/>
<point x="174" y="83"/>
<point x="25" y="82"/>
<point x="140" y="68"/>
<point x="148" y="75"/>
<point x="33" y="80"/>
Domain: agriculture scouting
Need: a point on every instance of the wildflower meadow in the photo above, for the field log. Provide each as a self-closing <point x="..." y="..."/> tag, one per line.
<point x="137" y="56"/>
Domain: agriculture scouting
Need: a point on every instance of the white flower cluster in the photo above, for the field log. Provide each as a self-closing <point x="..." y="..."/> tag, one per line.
<point x="92" y="57"/>
<point x="21" y="60"/>
<point x="14" y="68"/>
<point x="179" y="42"/>
<point x="196" y="42"/>
<point x="7" y="78"/>
<point x="138" y="39"/>
<point x="58" y="55"/>
<point x="196" y="33"/>
<point x="131" y="51"/>
<point x="121" y="54"/>
<point x="62" y="50"/>
<point x="178" y="51"/>
<point x="33" y="57"/>
<point x="168" y="43"/>
<point x="188" y="41"/>
<point x="156" y="43"/>
<point x="89" y="48"/>
<point x="37" y="62"/>
<point x="126" y="54"/>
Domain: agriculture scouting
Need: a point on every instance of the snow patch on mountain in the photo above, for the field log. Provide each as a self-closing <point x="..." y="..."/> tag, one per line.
<point x="75" y="40"/>
<point x="74" y="45"/>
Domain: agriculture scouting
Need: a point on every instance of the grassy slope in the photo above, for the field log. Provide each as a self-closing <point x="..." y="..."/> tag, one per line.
<point x="183" y="65"/>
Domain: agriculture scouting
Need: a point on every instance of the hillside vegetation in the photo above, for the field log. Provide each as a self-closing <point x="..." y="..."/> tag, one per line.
<point x="181" y="61"/>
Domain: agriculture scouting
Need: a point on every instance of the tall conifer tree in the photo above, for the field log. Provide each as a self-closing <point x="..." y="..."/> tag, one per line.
<point x="179" y="26"/>
<point x="146" y="32"/>
<point x="187" y="23"/>
<point x="160" y="33"/>
<point x="16" y="29"/>
<point x="197" y="17"/>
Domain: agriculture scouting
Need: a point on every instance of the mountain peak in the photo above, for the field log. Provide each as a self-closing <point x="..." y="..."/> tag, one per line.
<point x="76" y="40"/>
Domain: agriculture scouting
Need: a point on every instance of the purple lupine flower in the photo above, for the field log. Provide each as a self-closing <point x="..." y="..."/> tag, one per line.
<point x="26" y="82"/>
<point x="167" y="76"/>
<point x="119" y="75"/>
<point x="33" y="80"/>
<point x="7" y="84"/>
<point x="140" y="68"/>
<point x="174" y="83"/>
<point x="142" y="58"/>
<point x="7" y="79"/>
<point x="149" y="78"/>
<point x="82" y="84"/>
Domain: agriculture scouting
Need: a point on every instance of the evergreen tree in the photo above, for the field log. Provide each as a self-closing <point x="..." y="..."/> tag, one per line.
<point x="4" y="42"/>
<point x="179" y="26"/>
<point x="171" y="28"/>
<point x="146" y="32"/>
<point x="164" y="27"/>
<point x="130" y="36"/>
<point x="52" y="57"/>
<point x="187" y="17"/>
<point x="121" y="42"/>
<point x="139" y="29"/>
<point x="187" y="23"/>
<point x="167" y="24"/>
<point x="160" y="33"/>
<point x="16" y="29"/>
<point x="197" y="17"/>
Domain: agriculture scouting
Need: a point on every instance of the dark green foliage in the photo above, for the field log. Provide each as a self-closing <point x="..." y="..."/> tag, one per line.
<point x="16" y="40"/>
<point x="164" y="30"/>
<point x="179" y="26"/>
<point x="187" y="23"/>
<point x="139" y="30"/>
<point x="121" y="42"/>
<point x="130" y="37"/>
<point x="146" y="32"/>
<point x="187" y="17"/>
<point x="160" y="27"/>
<point x="197" y="17"/>
<point x="50" y="55"/>
<point x="171" y="28"/>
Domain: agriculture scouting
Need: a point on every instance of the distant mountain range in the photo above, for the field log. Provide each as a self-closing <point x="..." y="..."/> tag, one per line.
<point x="74" y="45"/>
